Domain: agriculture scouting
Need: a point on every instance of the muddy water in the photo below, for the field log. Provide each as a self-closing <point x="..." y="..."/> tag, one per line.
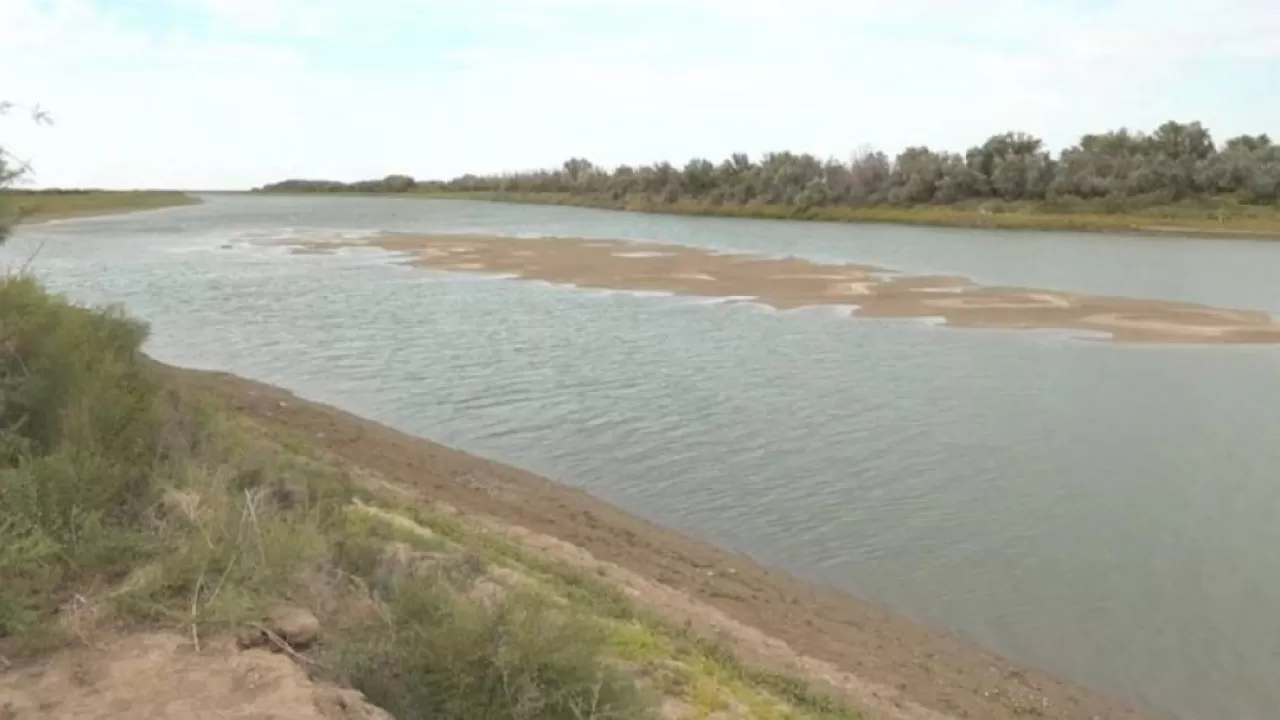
<point x="1103" y="510"/>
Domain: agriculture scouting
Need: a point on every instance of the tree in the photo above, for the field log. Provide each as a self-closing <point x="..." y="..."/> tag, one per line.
<point x="869" y="172"/>
<point x="1176" y="140"/>
<point x="1248" y="143"/>
<point x="12" y="169"/>
<point x="397" y="183"/>
<point x="915" y="176"/>
<point x="1119" y="169"/>
<point x="699" y="176"/>
<point x="9" y="173"/>
<point x="575" y="169"/>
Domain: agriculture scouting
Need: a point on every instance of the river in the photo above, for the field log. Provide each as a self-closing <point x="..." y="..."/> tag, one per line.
<point x="1107" y="512"/>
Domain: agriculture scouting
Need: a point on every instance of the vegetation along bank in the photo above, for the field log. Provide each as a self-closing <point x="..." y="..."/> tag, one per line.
<point x="1175" y="179"/>
<point x="42" y="205"/>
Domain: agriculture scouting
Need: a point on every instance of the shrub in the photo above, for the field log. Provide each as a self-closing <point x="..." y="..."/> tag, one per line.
<point x="80" y="445"/>
<point x="439" y="655"/>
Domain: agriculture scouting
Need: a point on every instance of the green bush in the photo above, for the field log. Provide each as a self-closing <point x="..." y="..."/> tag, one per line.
<point x="80" y="446"/>
<point x="438" y="655"/>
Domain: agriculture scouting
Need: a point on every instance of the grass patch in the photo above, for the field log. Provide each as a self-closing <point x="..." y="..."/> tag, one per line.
<point x="705" y="667"/>
<point x="710" y="678"/>
<point x="577" y="586"/>
<point x="39" y="205"/>
<point x="437" y="655"/>
<point x="637" y="642"/>
<point x="230" y="555"/>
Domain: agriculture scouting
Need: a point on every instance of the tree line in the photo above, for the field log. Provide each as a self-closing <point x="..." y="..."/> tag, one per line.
<point x="388" y="184"/>
<point x="1114" y="170"/>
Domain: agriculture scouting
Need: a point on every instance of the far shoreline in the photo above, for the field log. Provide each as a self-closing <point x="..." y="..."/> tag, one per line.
<point x="41" y="206"/>
<point x="940" y="216"/>
<point x="921" y="216"/>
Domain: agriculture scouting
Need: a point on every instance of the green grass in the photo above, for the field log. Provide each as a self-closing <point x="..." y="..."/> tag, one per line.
<point x="1215" y="216"/>
<point x="38" y="206"/>
<point x="704" y="668"/>
<point x="127" y="497"/>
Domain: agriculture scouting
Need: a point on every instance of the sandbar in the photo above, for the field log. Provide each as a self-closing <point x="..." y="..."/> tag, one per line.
<point x="787" y="282"/>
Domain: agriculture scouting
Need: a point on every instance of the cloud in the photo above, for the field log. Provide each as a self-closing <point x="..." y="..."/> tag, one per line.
<point x="282" y="17"/>
<point x="232" y="93"/>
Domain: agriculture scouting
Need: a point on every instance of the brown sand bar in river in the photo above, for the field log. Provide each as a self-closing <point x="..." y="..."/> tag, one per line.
<point x="786" y="283"/>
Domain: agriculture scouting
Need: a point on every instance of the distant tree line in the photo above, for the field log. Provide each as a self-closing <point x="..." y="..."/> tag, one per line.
<point x="388" y="184"/>
<point x="1114" y="171"/>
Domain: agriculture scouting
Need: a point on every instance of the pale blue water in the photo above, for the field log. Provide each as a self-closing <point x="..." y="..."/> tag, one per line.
<point x="1105" y="512"/>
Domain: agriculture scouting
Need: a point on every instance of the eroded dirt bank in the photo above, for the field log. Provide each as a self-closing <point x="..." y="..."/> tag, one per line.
<point x="908" y="665"/>
<point x="791" y="282"/>
<point x="157" y="676"/>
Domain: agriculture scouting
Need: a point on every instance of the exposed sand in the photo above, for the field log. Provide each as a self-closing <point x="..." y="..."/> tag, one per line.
<point x="786" y="283"/>
<point x="157" y="676"/>
<point x="852" y="647"/>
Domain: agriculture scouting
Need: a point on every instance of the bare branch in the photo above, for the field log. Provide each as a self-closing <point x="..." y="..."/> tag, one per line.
<point x="195" y="611"/>
<point x="284" y="646"/>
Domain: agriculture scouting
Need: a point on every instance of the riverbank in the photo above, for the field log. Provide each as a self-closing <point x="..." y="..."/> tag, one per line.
<point x="168" y="549"/>
<point x="1239" y="221"/>
<point x="41" y="206"/>
<point x="314" y="520"/>
<point x="868" y="656"/>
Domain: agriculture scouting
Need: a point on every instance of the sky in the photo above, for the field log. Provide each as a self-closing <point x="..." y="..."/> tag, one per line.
<point x="225" y="94"/>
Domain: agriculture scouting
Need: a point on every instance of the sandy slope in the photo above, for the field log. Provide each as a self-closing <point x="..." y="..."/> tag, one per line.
<point x="160" y="676"/>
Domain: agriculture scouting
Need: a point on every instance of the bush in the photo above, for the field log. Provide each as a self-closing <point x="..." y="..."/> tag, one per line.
<point x="438" y="655"/>
<point x="80" y="446"/>
<point x="229" y="555"/>
<point x="72" y="377"/>
<point x="94" y="446"/>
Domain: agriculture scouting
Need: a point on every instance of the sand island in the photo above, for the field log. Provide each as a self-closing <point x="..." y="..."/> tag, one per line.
<point x="787" y="283"/>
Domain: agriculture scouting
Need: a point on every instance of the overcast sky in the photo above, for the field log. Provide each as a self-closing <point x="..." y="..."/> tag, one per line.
<point x="235" y="93"/>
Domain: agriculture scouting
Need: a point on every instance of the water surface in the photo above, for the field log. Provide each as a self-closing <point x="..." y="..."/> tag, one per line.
<point x="1106" y="512"/>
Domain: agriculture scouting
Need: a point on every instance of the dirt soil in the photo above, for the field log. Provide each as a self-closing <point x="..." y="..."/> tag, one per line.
<point x="895" y="662"/>
<point x="160" y="676"/>
<point x="791" y="282"/>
